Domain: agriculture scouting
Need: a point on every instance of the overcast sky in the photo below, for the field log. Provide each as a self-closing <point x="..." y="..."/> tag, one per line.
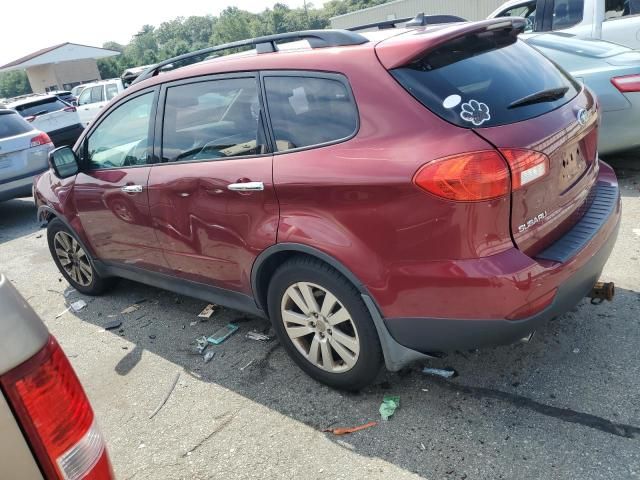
<point x="30" y="26"/>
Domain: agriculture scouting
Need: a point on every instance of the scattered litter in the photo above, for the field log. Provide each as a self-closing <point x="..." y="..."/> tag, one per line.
<point x="576" y="350"/>
<point x="152" y="337"/>
<point x="39" y="236"/>
<point x="193" y="324"/>
<point x="440" y="372"/>
<point x="425" y="389"/>
<point x="222" y="334"/>
<point x="166" y="397"/>
<point x="124" y="347"/>
<point x="208" y="311"/>
<point x="130" y="309"/>
<point x="260" y="337"/>
<point x="113" y="324"/>
<point x="388" y="406"/>
<point x="209" y="355"/>
<point x="201" y="343"/>
<point x="636" y="231"/>
<point x="63" y="312"/>
<point x="246" y="365"/>
<point x="78" y="305"/>
<point x="422" y="447"/>
<point x="142" y="445"/>
<point x="345" y="430"/>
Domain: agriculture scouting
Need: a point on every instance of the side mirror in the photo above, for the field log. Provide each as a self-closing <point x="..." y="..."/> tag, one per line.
<point x="64" y="162"/>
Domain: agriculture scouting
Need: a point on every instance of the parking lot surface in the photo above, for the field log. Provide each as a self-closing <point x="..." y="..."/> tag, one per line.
<point x="564" y="406"/>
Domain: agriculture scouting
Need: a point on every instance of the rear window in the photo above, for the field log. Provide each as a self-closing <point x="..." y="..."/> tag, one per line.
<point x="480" y="79"/>
<point x="41" y="107"/>
<point x="11" y="124"/>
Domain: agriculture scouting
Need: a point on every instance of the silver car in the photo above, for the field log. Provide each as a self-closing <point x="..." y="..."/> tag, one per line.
<point x="612" y="72"/>
<point x="47" y="426"/>
<point x="23" y="154"/>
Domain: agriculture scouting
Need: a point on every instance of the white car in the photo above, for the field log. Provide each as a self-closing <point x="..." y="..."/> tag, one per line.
<point x="621" y="18"/>
<point x="59" y="120"/>
<point x="95" y="96"/>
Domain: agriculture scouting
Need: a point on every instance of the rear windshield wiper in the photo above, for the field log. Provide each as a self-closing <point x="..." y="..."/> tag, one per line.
<point x="544" y="96"/>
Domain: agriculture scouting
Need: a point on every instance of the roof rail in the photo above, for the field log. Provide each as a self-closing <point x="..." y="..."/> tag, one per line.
<point x="419" y="20"/>
<point x="266" y="44"/>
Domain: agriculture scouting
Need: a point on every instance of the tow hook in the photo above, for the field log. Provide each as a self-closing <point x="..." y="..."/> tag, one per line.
<point x="602" y="291"/>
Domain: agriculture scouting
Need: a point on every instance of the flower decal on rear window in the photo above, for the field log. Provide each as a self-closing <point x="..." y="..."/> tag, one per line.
<point x="475" y="112"/>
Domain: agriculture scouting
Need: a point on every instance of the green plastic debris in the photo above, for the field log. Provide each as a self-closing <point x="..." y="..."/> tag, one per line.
<point x="388" y="406"/>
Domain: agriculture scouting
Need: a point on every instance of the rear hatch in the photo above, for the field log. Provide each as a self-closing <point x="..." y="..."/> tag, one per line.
<point x="16" y="137"/>
<point x="49" y="114"/>
<point x="480" y="77"/>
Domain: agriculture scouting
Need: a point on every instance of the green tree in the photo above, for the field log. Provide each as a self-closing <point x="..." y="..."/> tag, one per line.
<point x="14" y="83"/>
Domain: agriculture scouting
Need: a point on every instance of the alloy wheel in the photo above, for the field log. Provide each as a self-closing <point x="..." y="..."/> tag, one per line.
<point x="73" y="258"/>
<point x="320" y="327"/>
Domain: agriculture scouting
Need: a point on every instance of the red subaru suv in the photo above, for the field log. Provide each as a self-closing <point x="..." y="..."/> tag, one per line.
<point x="378" y="196"/>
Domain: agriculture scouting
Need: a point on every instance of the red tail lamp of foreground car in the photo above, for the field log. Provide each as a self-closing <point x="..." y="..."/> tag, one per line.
<point x="41" y="139"/>
<point x="482" y="175"/>
<point x="627" y="83"/>
<point x="56" y="417"/>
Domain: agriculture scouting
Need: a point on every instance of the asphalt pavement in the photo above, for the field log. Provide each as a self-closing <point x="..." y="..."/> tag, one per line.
<point x="564" y="406"/>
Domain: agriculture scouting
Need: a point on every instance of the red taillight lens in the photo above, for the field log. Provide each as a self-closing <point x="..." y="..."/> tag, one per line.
<point x="41" y="139"/>
<point x="627" y="83"/>
<point x="472" y="176"/>
<point x="527" y="166"/>
<point x="56" y="416"/>
<point x="70" y="108"/>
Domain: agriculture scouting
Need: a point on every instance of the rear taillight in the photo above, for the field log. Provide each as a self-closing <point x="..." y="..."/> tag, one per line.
<point x="56" y="416"/>
<point x="482" y="175"/>
<point x="470" y="176"/>
<point x="627" y="83"/>
<point x="41" y="139"/>
<point x="70" y="108"/>
<point x="526" y="166"/>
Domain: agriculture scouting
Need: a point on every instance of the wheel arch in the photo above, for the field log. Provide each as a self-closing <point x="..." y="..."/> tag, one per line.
<point x="265" y="265"/>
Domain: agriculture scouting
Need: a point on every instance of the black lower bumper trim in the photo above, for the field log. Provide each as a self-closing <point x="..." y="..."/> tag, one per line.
<point x="431" y="335"/>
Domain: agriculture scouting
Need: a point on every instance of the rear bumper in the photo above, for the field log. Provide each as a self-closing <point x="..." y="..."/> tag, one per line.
<point x="572" y="266"/>
<point x="19" y="186"/>
<point x="66" y="136"/>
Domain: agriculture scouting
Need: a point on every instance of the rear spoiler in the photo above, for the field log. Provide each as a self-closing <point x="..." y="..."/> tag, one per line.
<point x="402" y="49"/>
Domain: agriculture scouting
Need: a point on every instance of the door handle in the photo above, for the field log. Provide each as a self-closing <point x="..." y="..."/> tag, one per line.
<point x="132" y="189"/>
<point x="246" y="187"/>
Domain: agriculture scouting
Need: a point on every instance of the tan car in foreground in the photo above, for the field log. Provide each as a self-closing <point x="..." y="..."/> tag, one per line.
<point x="47" y="426"/>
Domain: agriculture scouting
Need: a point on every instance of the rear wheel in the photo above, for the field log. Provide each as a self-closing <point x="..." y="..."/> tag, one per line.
<point x="73" y="261"/>
<point x="323" y="323"/>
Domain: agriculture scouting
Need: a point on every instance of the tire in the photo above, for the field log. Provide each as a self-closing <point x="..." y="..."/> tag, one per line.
<point x="79" y="272"/>
<point x="337" y="346"/>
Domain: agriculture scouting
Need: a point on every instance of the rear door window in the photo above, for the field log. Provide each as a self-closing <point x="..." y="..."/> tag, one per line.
<point x="212" y="120"/>
<point x="486" y="80"/>
<point x="566" y="13"/>
<point x="41" y="107"/>
<point x="307" y="111"/>
<point x="11" y="124"/>
<point x="526" y="10"/>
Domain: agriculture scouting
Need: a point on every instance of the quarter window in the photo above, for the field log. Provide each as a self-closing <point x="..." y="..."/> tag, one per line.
<point x="212" y="120"/>
<point x="122" y="138"/>
<point x="112" y="90"/>
<point x="97" y="94"/>
<point x="308" y="111"/>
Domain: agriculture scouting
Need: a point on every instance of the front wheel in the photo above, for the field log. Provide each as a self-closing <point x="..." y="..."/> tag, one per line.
<point x="323" y="323"/>
<point x="73" y="261"/>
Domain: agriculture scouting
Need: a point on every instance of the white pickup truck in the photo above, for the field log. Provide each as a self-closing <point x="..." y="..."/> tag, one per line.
<point x="617" y="21"/>
<point x="94" y="96"/>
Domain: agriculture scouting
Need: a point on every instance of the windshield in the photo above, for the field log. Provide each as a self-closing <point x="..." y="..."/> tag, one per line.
<point x="472" y="81"/>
